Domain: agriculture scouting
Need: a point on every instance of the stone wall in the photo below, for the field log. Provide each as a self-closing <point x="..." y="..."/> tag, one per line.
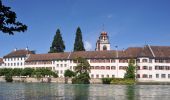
<point x="47" y="80"/>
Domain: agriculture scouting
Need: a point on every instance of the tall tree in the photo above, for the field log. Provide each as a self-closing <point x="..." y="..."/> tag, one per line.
<point x="78" y="44"/>
<point x="130" y="71"/>
<point x="58" y="43"/>
<point x="8" y="23"/>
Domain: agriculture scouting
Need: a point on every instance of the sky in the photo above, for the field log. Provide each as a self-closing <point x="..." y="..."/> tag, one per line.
<point x="128" y="23"/>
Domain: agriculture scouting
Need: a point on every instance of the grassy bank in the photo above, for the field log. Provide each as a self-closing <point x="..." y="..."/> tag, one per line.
<point x="118" y="81"/>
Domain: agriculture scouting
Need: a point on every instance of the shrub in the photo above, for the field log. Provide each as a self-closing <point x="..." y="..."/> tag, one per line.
<point x="8" y="78"/>
<point x="69" y="73"/>
<point x="82" y="78"/>
<point x="106" y="80"/>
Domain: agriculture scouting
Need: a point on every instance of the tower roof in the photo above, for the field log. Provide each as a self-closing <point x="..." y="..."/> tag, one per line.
<point x="103" y="33"/>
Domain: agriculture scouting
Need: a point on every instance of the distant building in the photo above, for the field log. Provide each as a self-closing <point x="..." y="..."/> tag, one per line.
<point x="152" y="62"/>
<point x="16" y="58"/>
<point x="103" y="43"/>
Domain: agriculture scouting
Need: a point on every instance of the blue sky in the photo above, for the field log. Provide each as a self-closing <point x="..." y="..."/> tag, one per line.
<point x="128" y="23"/>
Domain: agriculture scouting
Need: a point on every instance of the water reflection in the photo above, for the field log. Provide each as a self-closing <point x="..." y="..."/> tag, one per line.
<point x="52" y="91"/>
<point x="130" y="92"/>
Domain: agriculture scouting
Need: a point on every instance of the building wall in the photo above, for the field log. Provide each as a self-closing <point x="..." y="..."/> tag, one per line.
<point x="14" y="62"/>
<point x="152" y="71"/>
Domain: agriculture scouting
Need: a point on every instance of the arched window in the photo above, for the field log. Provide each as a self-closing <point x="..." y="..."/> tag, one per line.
<point x="104" y="47"/>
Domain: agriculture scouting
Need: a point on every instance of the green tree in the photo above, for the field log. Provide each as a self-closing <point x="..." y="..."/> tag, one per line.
<point x="16" y="71"/>
<point x="8" y="23"/>
<point x="5" y="71"/>
<point x="82" y="65"/>
<point x="82" y="71"/>
<point x="78" y="44"/>
<point x="69" y="73"/>
<point x="27" y="72"/>
<point x="58" y="43"/>
<point x="130" y="71"/>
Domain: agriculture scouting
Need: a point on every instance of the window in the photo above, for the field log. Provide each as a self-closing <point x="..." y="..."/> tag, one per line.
<point x="150" y="60"/>
<point x="108" y="67"/>
<point x="123" y="61"/>
<point x="61" y="65"/>
<point x="122" y="67"/>
<point x="97" y="67"/>
<point x="112" y="60"/>
<point x="107" y="76"/>
<point x="145" y="76"/>
<point x="150" y="76"/>
<point x="157" y="75"/>
<point x="65" y="65"/>
<point x="113" y="76"/>
<point x="97" y="76"/>
<point x="102" y="67"/>
<point x="102" y="76"/>
<point x="150" y="67"/>
<point x="113" y="67"/>
<point x="138" y="60"/>
<point x="168" y="75"/>
<point x="92" y="76"/>
<point x="92" y="67"/>
<point x="163" y="75"/>
<point x="138" y="68"/>
<point x="138" y="76"/>
<point x="61" y="72"/>
<point x="144" y="60"/>
<point x="145" y="67"/>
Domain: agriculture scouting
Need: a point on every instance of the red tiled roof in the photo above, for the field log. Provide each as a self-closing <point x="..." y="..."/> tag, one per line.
<point x="18" y="53"/>
<point x="161" y="51"/>
<point x="46" y="57"/>
<point x="1" y="60"/>
<point x="131" y="52"/>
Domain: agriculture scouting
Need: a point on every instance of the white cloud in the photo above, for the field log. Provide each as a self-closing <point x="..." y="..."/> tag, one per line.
<point x="88" y="45"/>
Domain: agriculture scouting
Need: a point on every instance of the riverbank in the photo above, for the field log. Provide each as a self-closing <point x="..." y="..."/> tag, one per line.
<point x="47" y="80"/>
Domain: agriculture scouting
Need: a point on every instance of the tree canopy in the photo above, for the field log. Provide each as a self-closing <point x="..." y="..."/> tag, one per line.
<point x="130" y="71"/>
<point x="78" y="44"/>
<point x="58" y="43"/>
<point x="8" y="23"/>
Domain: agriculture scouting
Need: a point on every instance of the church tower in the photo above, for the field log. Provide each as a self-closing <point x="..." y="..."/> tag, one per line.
<point x="103" y="42"/>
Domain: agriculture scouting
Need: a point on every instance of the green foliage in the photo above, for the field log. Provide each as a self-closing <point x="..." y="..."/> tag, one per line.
<point x="82" y="78"/>
<point x="130" y="71"/>
<point x="8" y="23"/>
<point x="82" y="72"/>
<point x="5" y="71"/>
<point x="78" y="44"/>
<point x="57" y="44"/>
<point x="17" y="71"/>
<point x="123" y="81"/>
<point x="55" y="75"/>
<point x="69" y="73"/>
<point x="106" y="80"/>
<point x="8" y="78"/>
<point x="40" y="72"/>
<point x="82" y="65"/>
<point x="27" y="72"/>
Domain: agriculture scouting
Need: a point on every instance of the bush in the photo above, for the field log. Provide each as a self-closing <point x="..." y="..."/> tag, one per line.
<point x="69" y="73"/>
<point x="82" y="78"/>
<point x="106" y="80"/>
<point x="27" y="72"/>
<point x="123" y="81"/>
<point x="8" y="78"/>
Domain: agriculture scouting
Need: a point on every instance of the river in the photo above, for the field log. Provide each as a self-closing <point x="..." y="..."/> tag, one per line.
<point x="53" y="91"/>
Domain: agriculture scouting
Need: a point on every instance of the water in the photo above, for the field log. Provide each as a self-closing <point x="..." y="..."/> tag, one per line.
<point x="53" y="91"/>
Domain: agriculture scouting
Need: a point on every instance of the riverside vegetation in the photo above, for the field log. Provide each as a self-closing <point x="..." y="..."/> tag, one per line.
<point x="129" y="77"/>
<point x="29" y="72"/>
